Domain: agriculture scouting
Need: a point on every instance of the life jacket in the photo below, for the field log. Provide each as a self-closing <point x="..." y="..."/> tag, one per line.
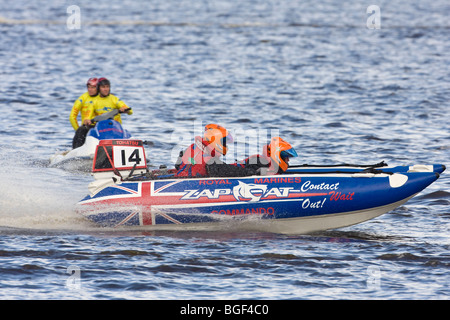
<point x="195" y="158"/>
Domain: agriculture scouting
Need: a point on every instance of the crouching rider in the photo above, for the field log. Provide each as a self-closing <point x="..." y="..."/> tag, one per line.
<point x="202" y="158"/>
<point x="274" y="160"/>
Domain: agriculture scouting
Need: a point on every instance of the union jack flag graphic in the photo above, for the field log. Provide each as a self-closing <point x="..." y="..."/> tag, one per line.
<point x="186" y="201"/>
<point x="146" y="203"/>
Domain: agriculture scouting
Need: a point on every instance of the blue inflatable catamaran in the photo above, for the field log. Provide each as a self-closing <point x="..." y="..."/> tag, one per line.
<point x="304" y="199"/>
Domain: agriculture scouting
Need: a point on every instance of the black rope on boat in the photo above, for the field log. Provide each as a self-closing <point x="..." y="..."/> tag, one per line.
<point x="161" y="175"/>
<point x="131" y="172"/>
<point x="377" y="165"/>
<point x="369" y="170"/>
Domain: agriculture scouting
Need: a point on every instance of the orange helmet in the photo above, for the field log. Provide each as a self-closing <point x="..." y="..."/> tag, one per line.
<point x="217" y="136"/>
<point x="279" y="150"/>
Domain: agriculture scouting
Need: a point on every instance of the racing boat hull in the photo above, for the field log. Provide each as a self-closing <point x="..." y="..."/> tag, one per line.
<point x="126" y="194"/>
<point x="293" y="204"/>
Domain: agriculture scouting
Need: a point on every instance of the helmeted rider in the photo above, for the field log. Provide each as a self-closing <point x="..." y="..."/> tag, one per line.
<point x="84" y="105"/>
<point x="106" y="101"/>
<point x="274" y="160"/>
<point x="202" y="158"/>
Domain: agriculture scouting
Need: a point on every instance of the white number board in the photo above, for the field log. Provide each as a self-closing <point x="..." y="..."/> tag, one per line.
<point x="126" y="157"/>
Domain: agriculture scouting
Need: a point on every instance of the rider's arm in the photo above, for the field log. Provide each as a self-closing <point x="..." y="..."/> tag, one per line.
<point x="121" y="105"/>
<point x="90" y="113"/>
<point x="74" y="113"/>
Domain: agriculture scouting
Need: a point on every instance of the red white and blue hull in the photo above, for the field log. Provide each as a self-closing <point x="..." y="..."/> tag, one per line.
<point x="294" y="203"/>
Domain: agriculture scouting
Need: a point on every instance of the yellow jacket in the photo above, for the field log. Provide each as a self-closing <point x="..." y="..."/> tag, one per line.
<point x="83" y="104"/>
<point x="105" y="104"/>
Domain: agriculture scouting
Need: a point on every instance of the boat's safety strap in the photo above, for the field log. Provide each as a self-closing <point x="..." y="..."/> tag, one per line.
<point x="117" y="172"/>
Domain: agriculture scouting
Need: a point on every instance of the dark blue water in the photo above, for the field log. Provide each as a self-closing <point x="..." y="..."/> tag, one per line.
<point x="311" y="71"/>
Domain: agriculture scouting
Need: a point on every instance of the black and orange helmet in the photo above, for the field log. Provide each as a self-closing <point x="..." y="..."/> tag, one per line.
<point x="279" y="151"/>
<point x="217" y="136"/>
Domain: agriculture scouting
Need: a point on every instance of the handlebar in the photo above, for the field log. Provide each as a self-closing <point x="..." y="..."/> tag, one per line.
<point x="108" y="115"/>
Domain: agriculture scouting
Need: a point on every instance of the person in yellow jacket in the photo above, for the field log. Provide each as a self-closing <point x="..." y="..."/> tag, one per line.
<point x="84" y="105"/>
<point x="105" y="101"/>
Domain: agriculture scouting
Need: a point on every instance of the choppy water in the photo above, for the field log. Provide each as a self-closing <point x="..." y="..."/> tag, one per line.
<point x="338" y="91"/>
